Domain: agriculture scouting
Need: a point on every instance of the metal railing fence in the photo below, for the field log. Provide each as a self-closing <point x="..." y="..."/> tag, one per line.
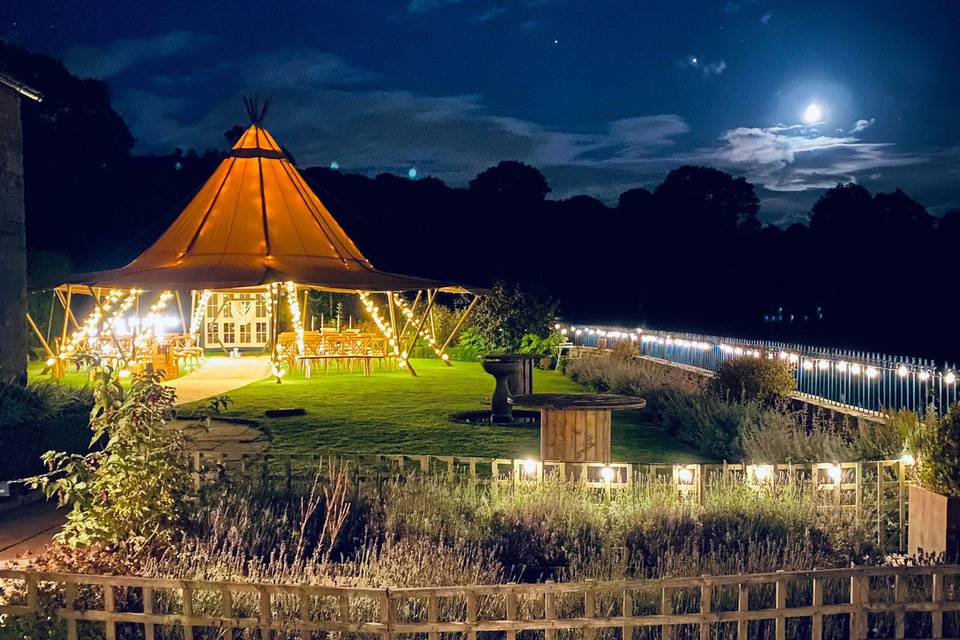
<point x="870" y="382"/>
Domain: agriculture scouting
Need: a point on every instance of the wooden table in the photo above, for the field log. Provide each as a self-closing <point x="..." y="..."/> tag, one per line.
<point x="576" y="427"/>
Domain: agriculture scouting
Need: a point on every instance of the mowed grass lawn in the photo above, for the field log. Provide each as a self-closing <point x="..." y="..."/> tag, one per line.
<point x="393" y="412"/>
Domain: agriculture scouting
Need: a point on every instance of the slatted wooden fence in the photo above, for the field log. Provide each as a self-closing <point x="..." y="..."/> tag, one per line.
<point x="859" y="603"/>
<point x="875" y="491"/>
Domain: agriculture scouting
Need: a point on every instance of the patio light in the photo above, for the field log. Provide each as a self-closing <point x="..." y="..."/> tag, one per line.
<point x="907" y="459"/>
<point x="762" y="472"/>
<point x="835" y="473"/>
<point x="685" y="475"/>
<point x="530" y="467"/>
<point x="607" y="474"/>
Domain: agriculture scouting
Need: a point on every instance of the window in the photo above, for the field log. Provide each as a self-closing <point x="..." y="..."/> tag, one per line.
<point x="262" y="306"/>
<point x="211" y="332"/>
<point x="261" y="332"/>
<point x="229" y="335"/>
<point x="228" y="305"/>
<point x="245" y="333"/>
<point x="212" y="306"/>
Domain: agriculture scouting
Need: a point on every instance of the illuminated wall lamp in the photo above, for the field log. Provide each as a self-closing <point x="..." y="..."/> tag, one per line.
<point x="835" y="473"/>
<point x="530" y="467"/>
<point x="607" y="473"/>
<point x="685" y="475"/>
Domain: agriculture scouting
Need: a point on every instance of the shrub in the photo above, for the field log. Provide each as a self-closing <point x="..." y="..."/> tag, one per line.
<point x="37" y="418"/>
<point x="937" y="452"/>
<point x="504" y="316"/>
<point x="744" y="378"/>
<point x="785" y="436"/>
<point x="132" y="491"/>
<point x="708" y="422"/>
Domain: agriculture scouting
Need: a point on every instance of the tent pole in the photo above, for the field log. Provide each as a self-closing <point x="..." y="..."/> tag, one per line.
<point x="53" y="306"/>
<point x="68" y="312"/>
<point x="43" y="342"/>
<point x="275" y="329"/>
<point x="466" y="313"/>
<point x="113" y="336"/>
<point x="396" y="336"/>
<point x="183" y="319"/>
<point x="413" y="311"/>
<point x="303" y="312"/>
<point x="419" y="328"/>
<point x="60" y="366"/>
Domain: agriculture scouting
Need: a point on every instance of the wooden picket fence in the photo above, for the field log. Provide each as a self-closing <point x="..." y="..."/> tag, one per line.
<point x="856" y="603"/>
<point x="875" y="491"/>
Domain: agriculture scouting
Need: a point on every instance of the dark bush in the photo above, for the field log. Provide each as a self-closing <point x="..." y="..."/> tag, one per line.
<point x="745" y="379"/>
<point x="38" y="418"/>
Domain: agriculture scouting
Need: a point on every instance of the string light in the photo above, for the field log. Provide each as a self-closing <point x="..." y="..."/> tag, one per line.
<point x="198" y="312"/>
<point x="382" y="325"/>
<point x="295" y="317"/>
<point x="425" y="332"/>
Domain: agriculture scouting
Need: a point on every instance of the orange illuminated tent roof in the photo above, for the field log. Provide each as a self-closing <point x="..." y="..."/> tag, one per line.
<point x="255" y="221"/>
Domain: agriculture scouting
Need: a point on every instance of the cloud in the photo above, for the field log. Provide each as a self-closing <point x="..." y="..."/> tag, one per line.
<point x="422" y="6"/>
<point x="766" y="17"/>
<point x="118" y="56"/>
<point x="490" y="14"/>
<point x="861" y="125"/>
<point x="706" y="67"/>
<point x="732" y="6"/>
<point x="795" y="158"/>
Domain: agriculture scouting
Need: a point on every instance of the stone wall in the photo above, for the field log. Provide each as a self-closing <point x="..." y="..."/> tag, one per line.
<point x="13" y="333"/>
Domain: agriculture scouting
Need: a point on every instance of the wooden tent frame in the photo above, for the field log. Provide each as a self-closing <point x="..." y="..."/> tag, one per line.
<point x="64" y="294"/>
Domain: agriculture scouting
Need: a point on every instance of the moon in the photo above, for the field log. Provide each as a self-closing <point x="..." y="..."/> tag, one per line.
<point x="813" y="113"/>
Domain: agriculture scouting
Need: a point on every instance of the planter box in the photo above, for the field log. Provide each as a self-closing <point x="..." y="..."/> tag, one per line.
<point x="934" y="523"/>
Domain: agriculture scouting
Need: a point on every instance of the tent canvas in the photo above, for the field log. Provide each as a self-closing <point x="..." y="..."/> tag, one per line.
<point x="254" y="222"/>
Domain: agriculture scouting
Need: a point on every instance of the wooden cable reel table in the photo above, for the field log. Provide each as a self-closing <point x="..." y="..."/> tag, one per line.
<point x="576" y="428"/>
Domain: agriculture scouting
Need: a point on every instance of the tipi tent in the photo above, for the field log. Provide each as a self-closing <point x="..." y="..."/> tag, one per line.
<point x="254" y="222"/>
<point x="254" y="231"/>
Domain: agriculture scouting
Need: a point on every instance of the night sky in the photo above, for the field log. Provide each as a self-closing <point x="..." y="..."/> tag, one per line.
<point x="600" y="95"/>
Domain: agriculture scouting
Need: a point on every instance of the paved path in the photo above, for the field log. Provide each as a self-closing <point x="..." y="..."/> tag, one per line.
<point x="25" y="531"/>
<point x="220" y="375"/>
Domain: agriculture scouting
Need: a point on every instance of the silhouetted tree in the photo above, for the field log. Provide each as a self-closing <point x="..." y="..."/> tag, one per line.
<point x="511" y="180"/>
<point x="709" y="198"/>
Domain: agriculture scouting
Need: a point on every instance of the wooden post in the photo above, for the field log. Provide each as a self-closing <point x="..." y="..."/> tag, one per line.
<point x="183" y="319"/>
<point x="705" y="608"/>
<point x="549" y="612"/>
<point x="816" y="620"/>
<point x="858" y="617"/>
<point x="936" y="616"/>
<point x="69" y="599"/>
<point x="589" y="611"/>
<point x="186" y="594"/>
<point x="511" y="613"/>
<point x="780" y="632"/>
<point x="456" y="327"/>
<point x="899" y="597"/>
<point x="109" y="606"/>
<point x="666" y="609"/>
<point x="471" y="615"/>
<point x="743" y="606"/>
<point x="416" y="331"/>
<point x="413" y="311"/>
<point x="43" y="342"/>
<point x="433" y="615"/>
<point x="626" y="630"/>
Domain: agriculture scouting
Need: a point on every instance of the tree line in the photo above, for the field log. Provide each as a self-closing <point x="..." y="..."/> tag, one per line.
<point x="869" y="271"/>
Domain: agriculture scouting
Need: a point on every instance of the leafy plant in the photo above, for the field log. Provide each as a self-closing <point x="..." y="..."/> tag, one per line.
<point x="937" y="452"/>
<point x="133" y="491"/>
<point x="744" y="378"/>
<point x="508" y="313"/>
<point x="532" y="343"/>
